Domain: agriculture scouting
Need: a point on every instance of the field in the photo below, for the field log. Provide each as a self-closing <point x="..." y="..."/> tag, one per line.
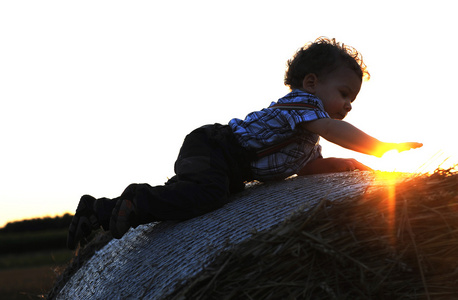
<point x="27" y="269"/>
<point x="26" y="283"/>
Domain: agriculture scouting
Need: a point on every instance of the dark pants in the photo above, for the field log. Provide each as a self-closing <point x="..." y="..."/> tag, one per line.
<point x="211" y="165"/>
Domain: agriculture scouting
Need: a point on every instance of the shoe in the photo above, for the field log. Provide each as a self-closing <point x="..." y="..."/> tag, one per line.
<point x="123" y="217"/>
<point x="83" y="222"/>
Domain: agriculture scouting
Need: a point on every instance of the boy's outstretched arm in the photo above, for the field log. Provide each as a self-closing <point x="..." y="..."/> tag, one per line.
<point x="348" y="136"/>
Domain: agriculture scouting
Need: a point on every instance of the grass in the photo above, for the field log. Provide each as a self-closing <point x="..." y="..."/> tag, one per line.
<point x="34" y="259"/>
<point x="26" y="283"/>
<point x="31" y="275"/>
<point x="31" y="262"/>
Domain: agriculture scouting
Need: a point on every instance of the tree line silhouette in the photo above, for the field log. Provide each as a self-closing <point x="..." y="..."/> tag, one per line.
<point x="34" y="235"/>
<point x="38" y="224"/>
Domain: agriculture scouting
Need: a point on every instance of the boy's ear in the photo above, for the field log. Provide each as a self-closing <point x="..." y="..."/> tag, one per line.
<point x="309" y="83"/>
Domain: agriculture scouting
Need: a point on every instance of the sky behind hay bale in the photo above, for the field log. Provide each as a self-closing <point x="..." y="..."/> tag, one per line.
<point x="98" y="95"/>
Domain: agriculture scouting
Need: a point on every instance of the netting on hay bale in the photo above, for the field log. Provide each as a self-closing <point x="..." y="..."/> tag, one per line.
<point x="397" y="241"/>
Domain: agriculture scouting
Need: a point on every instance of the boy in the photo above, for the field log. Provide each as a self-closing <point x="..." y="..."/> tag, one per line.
<point x="216" y="160"/>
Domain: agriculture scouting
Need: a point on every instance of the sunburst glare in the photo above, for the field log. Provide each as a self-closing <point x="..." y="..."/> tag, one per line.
<point x="417" y="161"/>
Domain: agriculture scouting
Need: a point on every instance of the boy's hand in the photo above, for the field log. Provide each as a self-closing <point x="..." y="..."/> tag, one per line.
<point x="407" y="146"/>
<point x="331" y="165"/>
<point x="400" y="147"/>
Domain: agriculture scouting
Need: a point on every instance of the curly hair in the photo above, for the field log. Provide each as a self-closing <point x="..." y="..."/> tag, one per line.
<point x="321" y="58"/>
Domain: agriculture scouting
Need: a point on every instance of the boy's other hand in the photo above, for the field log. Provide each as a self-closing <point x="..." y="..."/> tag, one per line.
<point x="331" y="165"/>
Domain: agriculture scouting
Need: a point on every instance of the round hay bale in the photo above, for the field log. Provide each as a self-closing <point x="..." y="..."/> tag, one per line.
<point x="337" y="236"/>
<point x="154" y="260"/>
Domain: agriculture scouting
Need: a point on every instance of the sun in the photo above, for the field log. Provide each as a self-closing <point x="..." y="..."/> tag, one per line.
<point x="415" y="161"/>
<point x="393" y="161"/>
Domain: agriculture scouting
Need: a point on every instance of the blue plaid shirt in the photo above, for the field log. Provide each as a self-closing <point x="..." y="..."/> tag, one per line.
<point x="273" y="126"/>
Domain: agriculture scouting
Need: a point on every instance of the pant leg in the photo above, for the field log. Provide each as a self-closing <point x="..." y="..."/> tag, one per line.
<point x="104" y="206"/>
<point x="210" y="166"/>
<point x="201" y="183"/>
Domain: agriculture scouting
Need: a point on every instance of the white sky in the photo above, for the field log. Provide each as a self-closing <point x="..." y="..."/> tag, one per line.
<point x="96" y="95"/>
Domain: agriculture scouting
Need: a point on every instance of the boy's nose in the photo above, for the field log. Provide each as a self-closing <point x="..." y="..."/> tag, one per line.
<point x="348" y="106"/>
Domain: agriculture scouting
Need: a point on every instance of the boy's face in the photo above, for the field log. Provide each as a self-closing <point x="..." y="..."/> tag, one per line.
<point x="337" y="90"/>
